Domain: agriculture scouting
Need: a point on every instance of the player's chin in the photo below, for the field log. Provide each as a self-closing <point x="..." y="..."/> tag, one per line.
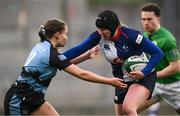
<point x="105" y="37"/>
<point x="147" y="29"/>
<point x="61" y="45"/>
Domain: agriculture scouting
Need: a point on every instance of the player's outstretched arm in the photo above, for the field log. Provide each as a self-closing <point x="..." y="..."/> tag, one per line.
<point x="89" y="76"/>
<point x="91" y="41"/>
<point x="87" y="55"/>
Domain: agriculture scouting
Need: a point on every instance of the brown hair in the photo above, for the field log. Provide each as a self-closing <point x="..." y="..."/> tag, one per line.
<point x="152" y="7"/>
<point x="50" y="28"/>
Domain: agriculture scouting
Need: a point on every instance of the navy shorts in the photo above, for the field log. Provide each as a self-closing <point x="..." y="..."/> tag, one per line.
<point x="148" y="82"/>
<point x="22" y="100"/>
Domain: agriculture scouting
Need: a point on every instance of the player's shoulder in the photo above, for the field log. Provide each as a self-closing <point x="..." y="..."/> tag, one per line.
<point x="130" y="32"/>
<point x="129" y="29"/>
<point x="133" y="35"/>
<point x="166" y="33"/>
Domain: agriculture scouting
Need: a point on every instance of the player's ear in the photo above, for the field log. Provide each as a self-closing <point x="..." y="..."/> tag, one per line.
<point x="56" y="35"/>
<point x="158" y="17"/>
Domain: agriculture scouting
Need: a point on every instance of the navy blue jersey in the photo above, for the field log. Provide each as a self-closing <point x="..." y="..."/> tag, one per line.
<point x="42" y="65"/>
<point x="128" y="42"/>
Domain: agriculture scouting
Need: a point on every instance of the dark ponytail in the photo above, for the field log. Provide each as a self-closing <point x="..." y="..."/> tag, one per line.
<point x="50" y="28"/>
<point x="42" y="33"/>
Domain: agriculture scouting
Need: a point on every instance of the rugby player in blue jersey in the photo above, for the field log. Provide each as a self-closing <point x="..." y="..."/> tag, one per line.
<point x="118" y="43"/>
<point x="26" y="95"/>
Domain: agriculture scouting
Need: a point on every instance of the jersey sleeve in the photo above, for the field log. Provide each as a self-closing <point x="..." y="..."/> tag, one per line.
<point x="58" y="60"/>
<point x="145" y="45"/>
<point x="171" y="51"/>
<point x="88" y="43"/>
<point x="155" y="52"/>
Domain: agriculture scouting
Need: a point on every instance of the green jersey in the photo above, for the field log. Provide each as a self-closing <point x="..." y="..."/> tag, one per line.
<point x="168" y="44"/>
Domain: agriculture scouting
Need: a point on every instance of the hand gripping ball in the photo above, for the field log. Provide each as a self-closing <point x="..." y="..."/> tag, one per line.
<point x="133" y="63"/>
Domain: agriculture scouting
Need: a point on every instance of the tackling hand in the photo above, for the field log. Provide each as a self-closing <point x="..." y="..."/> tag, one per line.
<point x="117" y="82"/>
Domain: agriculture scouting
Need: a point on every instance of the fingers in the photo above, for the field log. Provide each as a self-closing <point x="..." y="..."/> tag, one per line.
<point x="97" y="49"/>
<point x="134" y="74"/>
<point x="126" y="73"/>
<point x="94" y="51"/>
<point x="137" y="74"/>
<point x="119" y="83"/>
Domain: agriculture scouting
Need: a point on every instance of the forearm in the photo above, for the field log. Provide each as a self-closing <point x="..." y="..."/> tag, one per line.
<point x="80" y="58"/>
<point x="91" y="77"/>
<point x="156" y="55"/>
<point x="172" y="68"/>
<point x="87" y="55"/>
<point x="86" y="75"/>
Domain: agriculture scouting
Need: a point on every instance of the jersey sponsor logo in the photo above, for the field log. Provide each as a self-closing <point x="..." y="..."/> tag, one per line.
<point x="125" y="47"/>
<point x="139" y="39"/>
<point x="174" y="53"/>
<point x="106" y="47"/>
<point x="62" y="57"/>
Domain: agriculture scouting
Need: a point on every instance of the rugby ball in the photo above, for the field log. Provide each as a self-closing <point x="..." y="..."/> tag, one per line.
<point x="133" y="63"/>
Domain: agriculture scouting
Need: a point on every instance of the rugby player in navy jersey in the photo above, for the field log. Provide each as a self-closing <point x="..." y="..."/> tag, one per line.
<point x="118" y="43"/>
<point x="26" y="95"/>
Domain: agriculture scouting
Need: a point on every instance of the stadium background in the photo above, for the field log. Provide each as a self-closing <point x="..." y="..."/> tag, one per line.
<point x="19" y="24"/>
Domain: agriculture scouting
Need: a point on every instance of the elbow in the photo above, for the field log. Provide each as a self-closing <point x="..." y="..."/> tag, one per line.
<point x="83" y="74"/>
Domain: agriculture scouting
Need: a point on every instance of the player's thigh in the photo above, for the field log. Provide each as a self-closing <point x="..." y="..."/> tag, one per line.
<point x="136" y="96"/>
<point x="45" y="109"/>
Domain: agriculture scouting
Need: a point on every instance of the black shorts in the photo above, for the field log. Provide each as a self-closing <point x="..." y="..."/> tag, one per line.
<point x="22" y="100"/>
<point x="148" y="82"/>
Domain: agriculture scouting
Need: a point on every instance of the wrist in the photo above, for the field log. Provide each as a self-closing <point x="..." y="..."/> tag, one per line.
<point x="109" y="81"/>
<point x="88" y="54"/>
<point x="158" y="74"/>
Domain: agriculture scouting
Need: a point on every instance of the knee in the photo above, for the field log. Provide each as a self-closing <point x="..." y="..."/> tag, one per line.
<point x="128" y="109"/>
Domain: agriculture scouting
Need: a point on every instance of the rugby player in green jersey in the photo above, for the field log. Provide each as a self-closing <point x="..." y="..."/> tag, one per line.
<point x="168" y="76"/>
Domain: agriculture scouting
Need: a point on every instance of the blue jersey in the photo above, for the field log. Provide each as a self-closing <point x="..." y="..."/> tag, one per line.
<point x="128" y="42"/>
<point x="41" y="66"/>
